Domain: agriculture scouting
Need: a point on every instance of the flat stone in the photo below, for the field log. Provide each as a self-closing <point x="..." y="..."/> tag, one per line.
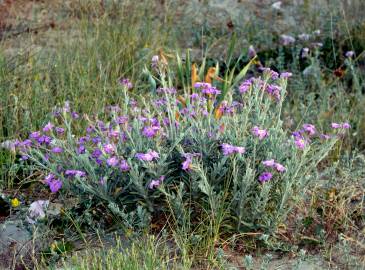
<point x="13" y="234"/>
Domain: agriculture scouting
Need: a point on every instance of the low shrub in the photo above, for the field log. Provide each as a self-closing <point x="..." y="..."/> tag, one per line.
<point x="201" y="153"/>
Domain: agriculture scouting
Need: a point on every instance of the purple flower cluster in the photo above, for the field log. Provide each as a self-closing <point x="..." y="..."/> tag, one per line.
<point x="126" y="83"/>
<point x="265" y="177"/>
<point x="75" y="173"/>
<point x="48" y="127"/>
<point x="53" y="183"/>
<point x="341" y="125"/>
<point x="285" y="75"/>
<point x="229" y="149"/>
<point x="303" y="137"/>
<point x="245" y="86"/>
<point x="272" y="164"/>
<point x="207" y="88"/>
<point x="186" y="165"/>
<point x="310" y="129"/>
<point x="274" y="91"/>
<point x="149" y="156"/>
<point x="57" y="150"/>
<point x="271" y="73"/>
<point x="152" y="129"/>
<point x="260" y="133"/>
<point x="156" y="182"/>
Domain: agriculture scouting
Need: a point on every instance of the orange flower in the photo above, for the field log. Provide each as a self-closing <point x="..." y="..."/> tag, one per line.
<point x="194" y="74"/>
<point x="218" y="112"/>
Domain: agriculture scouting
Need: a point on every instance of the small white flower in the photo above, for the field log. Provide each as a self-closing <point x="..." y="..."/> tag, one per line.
<point x="276" y="5"/>
<point x="37" y="210"/>
<point x="287" y="40"/>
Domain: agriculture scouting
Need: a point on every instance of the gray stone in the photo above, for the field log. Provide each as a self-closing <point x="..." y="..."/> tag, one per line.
<point x="13" y="234"/>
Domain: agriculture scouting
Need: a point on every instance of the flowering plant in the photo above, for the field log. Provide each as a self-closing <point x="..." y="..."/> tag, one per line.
<point x="234" y="152"/>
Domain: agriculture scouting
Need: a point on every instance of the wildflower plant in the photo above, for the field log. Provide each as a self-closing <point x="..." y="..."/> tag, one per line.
<point x="225" y="154"/>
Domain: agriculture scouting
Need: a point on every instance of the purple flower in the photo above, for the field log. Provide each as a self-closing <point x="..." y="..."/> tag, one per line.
<point x="272" y="164"/>
<point x="75" y="173"/>
<point x="126" y="83"/>
<point x="240" y="150"/>
<point x="101" y="125"/>
<point x="273" y="90"/>
<point x="124" y="167"/>
<point x="44" y="140"/>
<point x="274" y="75"/>
<point x="24" y="157"/>
<point x="96" y="140"/>
<point x="350" y="54"/>
<point x="48" y="127"/>
<point x="202" y="85"/>
<point x="186" y="165"/>
<point x="153" y="184"/>
<point x="335" y="125"/>
<point x="346" y="125"/>
<point x="300" y="143"/>
<point x="149" y="156"/>
<point x="245" y="86"/>
<point x="150" y="131"/>
<point x="286" y="75"/>
<point x="279" y="167"/>
<point x="228" y="149"/>
<point x="49" y="178"/>
<point x="122" y="119"/>
<point x="81" y="149"/>
<point x="96" y="153"/>
<point x="84" y="139"/>
<point x="57" y="150"/>
<point x="109" y="148"/>
<point x="75" y="115"/>
<point x="160" y="103"/>
<point x="269" y="163"/>
<point x="156" y="183"/>
<point x="265" y="176"/>
<point x="55" y="185"/>
<point x="342" y="125"/>
<point x="297" y="134"/>
<point x="26" y="143"/>
<point x="211" y="91"/>
<point x="60" y="130"/>
<point x="310" y="129"/>
<point x="114" y="133"/>
<point x="325" y="137"/>
<point x="34" y="135"/>
<point x="90" y="129"/>
<point x="112" y="161"/>
<point x="260" y="133"/>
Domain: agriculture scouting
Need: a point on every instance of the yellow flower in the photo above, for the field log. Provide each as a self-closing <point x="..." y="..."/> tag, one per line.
<point x="15" y="202"/>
